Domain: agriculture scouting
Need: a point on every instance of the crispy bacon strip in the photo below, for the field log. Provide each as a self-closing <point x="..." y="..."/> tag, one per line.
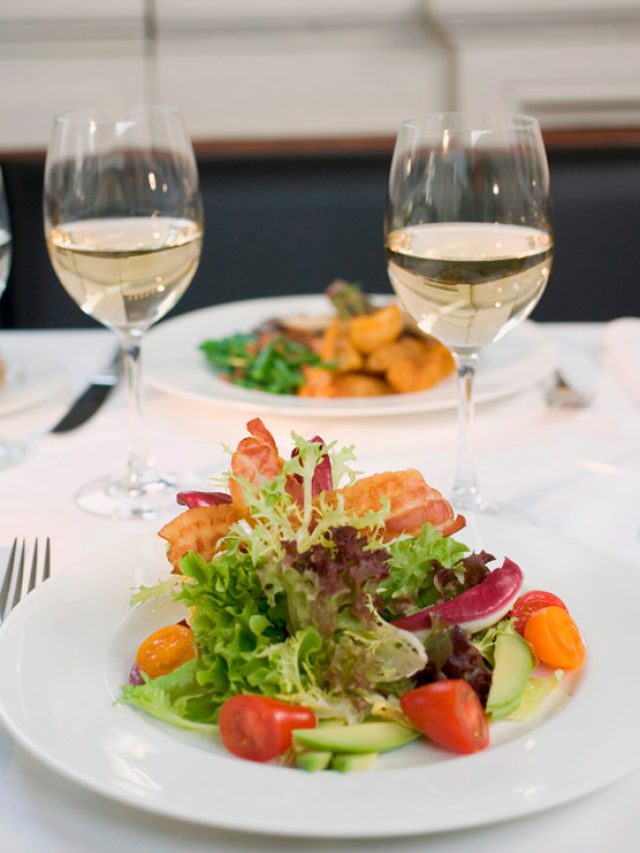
<point x="198" y="530"/>
<point x="412" y="502"/>
<point x="256" y="459"/>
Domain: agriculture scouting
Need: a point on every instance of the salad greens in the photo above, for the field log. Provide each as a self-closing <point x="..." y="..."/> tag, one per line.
<point x="271" y="364"/>
<point x="296" y="605"/>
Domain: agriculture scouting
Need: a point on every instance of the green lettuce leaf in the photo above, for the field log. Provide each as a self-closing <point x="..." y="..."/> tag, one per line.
<point x="534" y="695"/>
<point x="146" y="593"/>
<point x="278" y="518"/>
<point x="289" y="607"/>
<point x="413" y="561"/>
<point x="176" y="698"/>
<point x="232" y="623"/>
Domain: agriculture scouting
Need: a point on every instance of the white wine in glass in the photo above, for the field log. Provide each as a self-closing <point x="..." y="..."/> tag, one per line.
<point x="126" y="272"/>
<point x="123" y="224"/>
<point x="468" y="242"/>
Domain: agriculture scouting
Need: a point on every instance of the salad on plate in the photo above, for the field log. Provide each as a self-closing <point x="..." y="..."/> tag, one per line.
<point x="331" y="617"/>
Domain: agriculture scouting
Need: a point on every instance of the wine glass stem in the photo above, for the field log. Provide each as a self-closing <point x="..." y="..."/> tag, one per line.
<point x="466" y="494"/>
<point x="138" y="462"/>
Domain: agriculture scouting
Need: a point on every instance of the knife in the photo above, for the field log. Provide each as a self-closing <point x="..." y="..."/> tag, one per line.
<point x="88" y="403"/>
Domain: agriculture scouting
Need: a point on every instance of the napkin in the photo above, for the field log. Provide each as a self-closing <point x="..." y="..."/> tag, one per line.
<point x="621" y="356"/>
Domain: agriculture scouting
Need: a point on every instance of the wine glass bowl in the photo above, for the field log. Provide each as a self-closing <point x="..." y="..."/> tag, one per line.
<point x="468" y="242"/>
<point x="10" y="451"/>
<point x="123" y="226"/>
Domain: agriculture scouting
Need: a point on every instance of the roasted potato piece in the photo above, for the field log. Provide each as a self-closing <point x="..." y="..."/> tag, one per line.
<point x="198" y="530"/>
<point x="405" y="347"/>
<point x="338" y="348"/>
<point x="318" y="382"/>
<point x="326" y="383"/>
<point x="368" y="332"/>
<point x="359" y="385"/>
<point x="418" y="374"/>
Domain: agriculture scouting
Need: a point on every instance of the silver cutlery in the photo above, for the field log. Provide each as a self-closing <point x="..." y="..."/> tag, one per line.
<point x="561" y="392"/>
<point x="87" y="404"/>
<point x="38" y="574"/>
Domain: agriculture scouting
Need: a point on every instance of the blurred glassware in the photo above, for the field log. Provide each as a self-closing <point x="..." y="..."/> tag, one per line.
<point x="10" y="451"/>
<point x="123" y="225"/>
<point x="468" y="242"/>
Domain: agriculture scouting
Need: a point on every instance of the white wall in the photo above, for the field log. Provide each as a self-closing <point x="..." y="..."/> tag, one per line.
<point x="573" y="63"/>
<point x="304" y="68"/>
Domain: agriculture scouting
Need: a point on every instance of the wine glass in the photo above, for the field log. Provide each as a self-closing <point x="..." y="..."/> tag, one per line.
<point x="123" y="225"/>
<point x="468" y="243"/>
<point x="10" y="451"/>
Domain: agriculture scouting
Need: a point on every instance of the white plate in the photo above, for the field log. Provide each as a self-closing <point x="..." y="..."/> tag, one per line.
<point x="29" y="380"/>
<point x="65" y="650"/>
<point x="174" y="364"/>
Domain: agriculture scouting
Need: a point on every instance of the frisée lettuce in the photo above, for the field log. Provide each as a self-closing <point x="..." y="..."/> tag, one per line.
<point x="298" y="602"/>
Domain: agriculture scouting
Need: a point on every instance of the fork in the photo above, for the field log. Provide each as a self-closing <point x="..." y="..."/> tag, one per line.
<point x="32" y="582"/>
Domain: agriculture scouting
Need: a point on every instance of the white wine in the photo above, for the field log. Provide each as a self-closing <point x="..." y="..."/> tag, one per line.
<point x="5" y="258"/>
<point x="126" y="272"/>
<point x="468" y="283"/>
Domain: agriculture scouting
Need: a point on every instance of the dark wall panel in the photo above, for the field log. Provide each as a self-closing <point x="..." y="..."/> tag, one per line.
<point x="279" y="225"/>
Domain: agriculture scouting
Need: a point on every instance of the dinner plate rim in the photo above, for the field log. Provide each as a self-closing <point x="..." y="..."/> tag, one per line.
<point x="267" y="827"/>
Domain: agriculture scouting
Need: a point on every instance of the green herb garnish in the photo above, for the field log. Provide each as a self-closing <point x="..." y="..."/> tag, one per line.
<point x="273" y="365"/>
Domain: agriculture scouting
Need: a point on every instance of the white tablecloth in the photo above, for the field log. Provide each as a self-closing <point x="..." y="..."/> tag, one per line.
<point x="576" y="471"/>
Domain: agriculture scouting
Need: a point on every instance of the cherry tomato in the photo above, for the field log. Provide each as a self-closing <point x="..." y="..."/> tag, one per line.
<point x="450" y="714"/>
<point x="165" y="650"/>
<point x="259" y="728"/>
<point x="555" y="638"/>
<point x="531" y="601"/>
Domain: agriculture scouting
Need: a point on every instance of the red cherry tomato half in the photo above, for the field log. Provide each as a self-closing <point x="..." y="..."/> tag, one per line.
<point x="259" y="728"/>
<point x="529" y="603"/>
<point x="450" y="714"/>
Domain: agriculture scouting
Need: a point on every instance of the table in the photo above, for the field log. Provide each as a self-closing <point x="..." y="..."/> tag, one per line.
<point x="576" y="471"/>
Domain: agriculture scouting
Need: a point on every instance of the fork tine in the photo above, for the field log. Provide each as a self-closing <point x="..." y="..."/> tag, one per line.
<point x="6" y="584"/>
<point x="34" y="566"/>
<point x="47" y="561"/>
<point x="17" y="590"/>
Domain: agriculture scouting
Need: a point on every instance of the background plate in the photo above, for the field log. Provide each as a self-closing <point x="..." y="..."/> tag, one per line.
<point x="66" y="648"/>
<point x="174" y="364"/>
<point x="30" y="380"/>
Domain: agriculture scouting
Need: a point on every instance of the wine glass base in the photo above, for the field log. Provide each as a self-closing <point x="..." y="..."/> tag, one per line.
<point x="502" y="509"/>
<point x="465" y="501"/>
<point x="130" y="498"/>
<point x="11" y="453"/>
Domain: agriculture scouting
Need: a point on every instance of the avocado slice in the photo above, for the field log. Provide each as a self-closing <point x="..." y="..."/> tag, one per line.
<point x="360" y="738"/>
<point x="345" y="763"/>
<point x="512" y="670"/>
<point x="313" y="761"/>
